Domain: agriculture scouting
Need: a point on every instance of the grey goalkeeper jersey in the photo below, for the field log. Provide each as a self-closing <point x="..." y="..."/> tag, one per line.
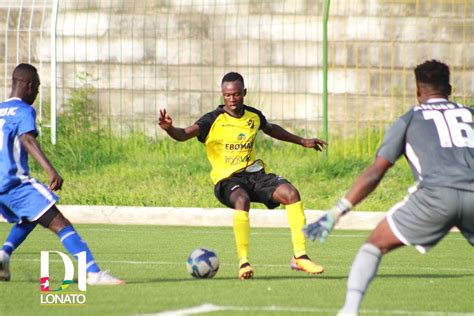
<point x="437" y="139"/>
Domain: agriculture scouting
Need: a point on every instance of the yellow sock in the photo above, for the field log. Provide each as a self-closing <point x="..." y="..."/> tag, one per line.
<point x="296" y="220"/>
<point x="242" y="234"/>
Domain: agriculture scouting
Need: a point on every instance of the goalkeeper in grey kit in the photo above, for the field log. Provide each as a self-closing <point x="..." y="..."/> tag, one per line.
<point x="437" y="139"/>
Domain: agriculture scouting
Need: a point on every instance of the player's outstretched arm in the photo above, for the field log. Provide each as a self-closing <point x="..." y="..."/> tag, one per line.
<point x="29" y="142"/>
<point x="321" y="228"/>
<point x="278" y="132"/>
<point x="362" y="187"/>
<point x="180" y="134"/>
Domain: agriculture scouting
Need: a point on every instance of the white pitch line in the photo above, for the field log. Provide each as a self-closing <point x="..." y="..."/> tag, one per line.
<point x="230" y="233"/>
<point x="207" y="308"/>
<point x="334" y="266"/>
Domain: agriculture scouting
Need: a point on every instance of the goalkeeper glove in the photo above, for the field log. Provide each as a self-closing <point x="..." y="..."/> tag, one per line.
<point x="323" y="226"/>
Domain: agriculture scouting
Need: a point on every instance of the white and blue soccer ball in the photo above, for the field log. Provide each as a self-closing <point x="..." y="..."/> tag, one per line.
<point x="202" y="263"/>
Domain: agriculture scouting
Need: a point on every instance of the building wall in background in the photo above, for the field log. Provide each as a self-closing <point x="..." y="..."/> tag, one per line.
<point x="135" y="57"/>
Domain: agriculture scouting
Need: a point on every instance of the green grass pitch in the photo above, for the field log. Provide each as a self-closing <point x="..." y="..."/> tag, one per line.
<point x="152" y="261"/>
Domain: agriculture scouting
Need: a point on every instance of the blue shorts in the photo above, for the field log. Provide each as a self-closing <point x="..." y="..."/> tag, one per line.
<point x="28" y="201"/>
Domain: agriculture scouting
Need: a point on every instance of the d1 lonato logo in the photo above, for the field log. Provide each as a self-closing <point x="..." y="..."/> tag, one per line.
<point x="59" y="296"/>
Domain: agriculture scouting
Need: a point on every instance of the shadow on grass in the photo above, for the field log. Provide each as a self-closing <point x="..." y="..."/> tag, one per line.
<point x="301" y="277"/>
<point x="270" y="278"/>
<point x="255" y="279"/>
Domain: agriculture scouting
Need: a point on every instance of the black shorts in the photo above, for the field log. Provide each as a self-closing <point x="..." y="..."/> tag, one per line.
<point x="258" y="185"/>
<point x="48" y="217"/>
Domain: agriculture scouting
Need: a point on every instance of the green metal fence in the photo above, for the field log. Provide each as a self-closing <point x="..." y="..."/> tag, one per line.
<point x="119" y="61"/>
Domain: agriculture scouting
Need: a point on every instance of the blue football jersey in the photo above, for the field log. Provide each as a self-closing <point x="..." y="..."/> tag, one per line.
<point x="16" y="119"/>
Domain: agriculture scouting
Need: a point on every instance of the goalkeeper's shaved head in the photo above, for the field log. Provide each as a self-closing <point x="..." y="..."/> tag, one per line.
<point x="434" y="75"/>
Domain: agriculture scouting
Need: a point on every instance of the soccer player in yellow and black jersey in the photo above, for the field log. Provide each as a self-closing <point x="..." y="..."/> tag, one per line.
<point x="229" y="134"/>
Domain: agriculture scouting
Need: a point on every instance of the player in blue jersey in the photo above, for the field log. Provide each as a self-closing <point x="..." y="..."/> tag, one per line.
<point x="437" y="138"/>
<point x="23" y="199"/>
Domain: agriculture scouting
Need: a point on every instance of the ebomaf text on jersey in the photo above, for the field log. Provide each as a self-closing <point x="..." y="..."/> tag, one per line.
<point x="230" y="141"/>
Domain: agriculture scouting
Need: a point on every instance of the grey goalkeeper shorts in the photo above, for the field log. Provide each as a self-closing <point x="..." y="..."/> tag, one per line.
<point x="425" y="216"/>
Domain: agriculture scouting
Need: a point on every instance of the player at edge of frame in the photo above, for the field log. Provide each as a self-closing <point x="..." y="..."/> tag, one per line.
<point x="437" y="139"/>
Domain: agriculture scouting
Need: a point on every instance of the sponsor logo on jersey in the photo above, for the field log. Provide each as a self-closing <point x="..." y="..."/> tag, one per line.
<point x="238" y="147"/>
<point x="241" y="136"/>
<point x="8" y="111"/>
<point x="236" y="160"/>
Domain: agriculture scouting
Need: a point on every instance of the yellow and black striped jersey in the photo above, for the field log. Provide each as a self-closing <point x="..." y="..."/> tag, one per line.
<point x="230" y="141"/>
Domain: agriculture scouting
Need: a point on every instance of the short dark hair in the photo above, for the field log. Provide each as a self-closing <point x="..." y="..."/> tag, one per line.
<point x="435" y="74"/>
<point x="23" y="69"/>
<point x="233" y="76"/>
<point x="26" y="73"/>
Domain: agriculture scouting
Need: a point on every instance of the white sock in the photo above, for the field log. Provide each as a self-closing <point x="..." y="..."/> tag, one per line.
<point x="363" y="270"/>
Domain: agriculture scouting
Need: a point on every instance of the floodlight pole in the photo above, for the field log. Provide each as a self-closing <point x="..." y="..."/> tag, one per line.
<point x="325" y="71"/>
<point x="54" y="20"/>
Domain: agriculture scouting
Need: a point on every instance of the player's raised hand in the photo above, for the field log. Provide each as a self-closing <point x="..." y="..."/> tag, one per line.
<point x="165" y="121"/>
<point x="315" y="143"/>
<point x="321" y="228"/>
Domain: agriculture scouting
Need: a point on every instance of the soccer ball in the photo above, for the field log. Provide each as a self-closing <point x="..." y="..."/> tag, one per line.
<point x="202" y="263"/>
